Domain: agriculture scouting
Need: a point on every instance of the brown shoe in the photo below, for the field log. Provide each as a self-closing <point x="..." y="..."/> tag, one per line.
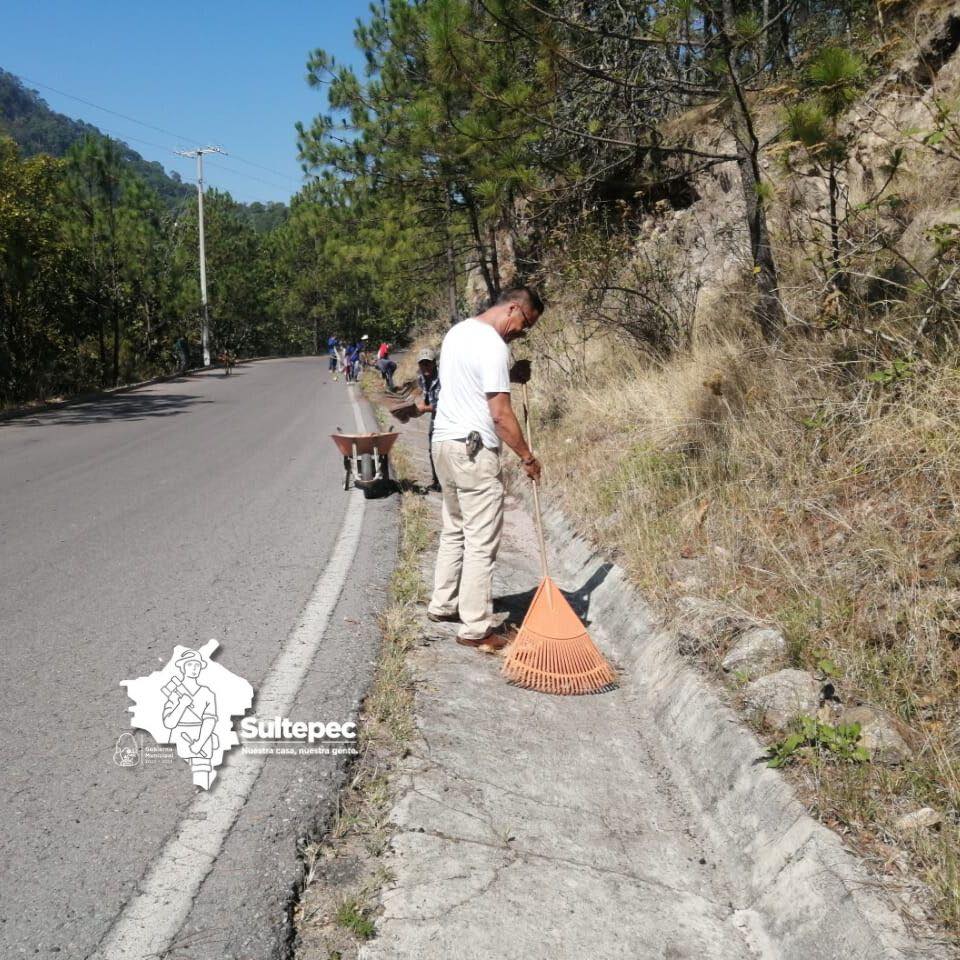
<point x="443" y="617"/>
<point x="470" y="641"/>
<point x="496" y="638"/>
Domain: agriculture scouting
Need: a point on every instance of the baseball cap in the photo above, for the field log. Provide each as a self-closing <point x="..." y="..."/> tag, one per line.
<point x="427" y="354"/>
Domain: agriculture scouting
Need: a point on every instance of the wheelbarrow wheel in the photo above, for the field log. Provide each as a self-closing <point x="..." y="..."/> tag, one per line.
<point x="368" y="470"/>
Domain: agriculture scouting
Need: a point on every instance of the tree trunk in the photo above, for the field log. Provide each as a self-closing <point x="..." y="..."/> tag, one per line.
<point x="764" y="52"/>
<point x="481" y="251"/>
<point x="494" y="261"/>
<point x="834" y="226"/>
<point x="102" y="343"/>
<point x="451" y="259"/>
<point x="116" y="346"/>
<point x="115" y="312"/>
<point x="769" y="310"/>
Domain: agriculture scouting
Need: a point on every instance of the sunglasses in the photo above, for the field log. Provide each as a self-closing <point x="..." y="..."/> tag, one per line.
<point x="527" y="322"/>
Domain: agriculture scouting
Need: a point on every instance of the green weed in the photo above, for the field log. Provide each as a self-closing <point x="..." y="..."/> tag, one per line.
<point x="818" y="739"/>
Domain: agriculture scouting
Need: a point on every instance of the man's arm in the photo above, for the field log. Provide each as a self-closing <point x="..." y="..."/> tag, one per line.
<point x="508" y="430"/>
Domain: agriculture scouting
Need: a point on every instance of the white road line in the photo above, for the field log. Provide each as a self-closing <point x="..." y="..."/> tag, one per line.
<point x="149" y="923"/>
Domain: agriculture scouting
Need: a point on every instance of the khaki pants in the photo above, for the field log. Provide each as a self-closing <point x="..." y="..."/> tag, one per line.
<point x="470" y="538"/>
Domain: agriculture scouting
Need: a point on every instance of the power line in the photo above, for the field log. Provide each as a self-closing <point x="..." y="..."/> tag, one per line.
<point x="250" y="163"/>
<point x="150" y="126"/>
<point x="124" y="116"/>
<point x="249" y="176"/>
<point x="124" y="139"/>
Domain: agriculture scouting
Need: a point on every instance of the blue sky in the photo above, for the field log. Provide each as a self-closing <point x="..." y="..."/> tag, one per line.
<point x="230" y="74"/>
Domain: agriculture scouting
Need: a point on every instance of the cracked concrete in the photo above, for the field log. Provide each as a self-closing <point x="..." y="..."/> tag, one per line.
<point x="633" y="824"/>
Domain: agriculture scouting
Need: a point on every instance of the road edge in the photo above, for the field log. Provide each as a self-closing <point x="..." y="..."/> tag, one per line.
<point x="357" y="835"/>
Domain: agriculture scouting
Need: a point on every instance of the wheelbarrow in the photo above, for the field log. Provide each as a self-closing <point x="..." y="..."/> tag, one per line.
<point x="366" y="459"/>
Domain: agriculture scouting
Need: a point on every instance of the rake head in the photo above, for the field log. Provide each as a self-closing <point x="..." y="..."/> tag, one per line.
<point x="553" y="653"/>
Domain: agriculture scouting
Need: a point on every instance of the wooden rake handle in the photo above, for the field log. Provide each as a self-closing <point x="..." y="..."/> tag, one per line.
<point x="536" y="486"/>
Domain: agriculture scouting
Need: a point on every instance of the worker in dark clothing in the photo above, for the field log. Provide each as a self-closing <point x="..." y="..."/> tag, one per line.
<point x="183" y="354"/>
<point x="429" y="381"/>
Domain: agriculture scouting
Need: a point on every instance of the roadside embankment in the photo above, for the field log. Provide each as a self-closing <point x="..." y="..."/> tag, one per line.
<point x="636" y="823"/>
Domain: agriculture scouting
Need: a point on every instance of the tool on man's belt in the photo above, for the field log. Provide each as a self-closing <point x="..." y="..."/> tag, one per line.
<point x="474" y="443"/>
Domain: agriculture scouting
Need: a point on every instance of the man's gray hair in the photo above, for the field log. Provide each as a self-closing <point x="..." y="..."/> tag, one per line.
<point x="518" y="294"/>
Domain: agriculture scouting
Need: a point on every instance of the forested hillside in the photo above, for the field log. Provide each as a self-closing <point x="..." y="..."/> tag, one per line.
<point x="26" y="118"/>
<point x="100" y="260"/>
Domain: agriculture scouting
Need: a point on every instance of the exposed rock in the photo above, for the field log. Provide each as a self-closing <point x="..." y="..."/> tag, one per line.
<point x="829" y="712"/>
<point x="917" y="820"/>
<point x="886" y="739"/>
<point x="782" y="696"/>
<point x="704" y="623"/>
<point x="688" y="574"/>
<point x="756" y="651"/>
<point x="721" y="554"/>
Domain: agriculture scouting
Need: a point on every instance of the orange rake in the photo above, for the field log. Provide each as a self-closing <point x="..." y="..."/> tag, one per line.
<point x="553" y="652"/>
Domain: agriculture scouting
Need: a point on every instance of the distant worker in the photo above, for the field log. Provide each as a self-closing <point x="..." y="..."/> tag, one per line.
<point x="429" y="383"/>
<point x="473" y="418"/>
<point x="353" y="362"/>
<point x="182" y="349"/>
<point x="341" y="354"/>
<point x="386" y="366"/>
<point x="332" y="343"/>
<point x="227" y="361"/>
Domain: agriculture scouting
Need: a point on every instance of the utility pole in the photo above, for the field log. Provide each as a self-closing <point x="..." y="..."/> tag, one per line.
<point x="205" y="321"/>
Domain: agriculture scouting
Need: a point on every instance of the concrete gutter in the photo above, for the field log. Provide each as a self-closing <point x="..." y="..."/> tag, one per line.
<point x="632" y="824"/>
<point x="812" y="896"/>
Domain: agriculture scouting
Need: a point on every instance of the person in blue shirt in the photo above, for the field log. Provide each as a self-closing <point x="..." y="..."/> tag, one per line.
<point x="429" y="382"/>
<point x="332" y="344"/>
<point x="353" y="362"/>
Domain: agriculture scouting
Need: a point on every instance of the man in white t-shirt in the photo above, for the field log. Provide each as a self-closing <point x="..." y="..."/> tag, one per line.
<point x="475" y="404"/>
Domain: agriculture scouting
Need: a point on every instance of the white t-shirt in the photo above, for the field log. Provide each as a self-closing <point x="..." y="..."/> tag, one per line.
<point x="474" y="361"/>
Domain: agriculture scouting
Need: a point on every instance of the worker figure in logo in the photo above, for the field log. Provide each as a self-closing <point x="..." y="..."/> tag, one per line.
<point x="190" y="714"/>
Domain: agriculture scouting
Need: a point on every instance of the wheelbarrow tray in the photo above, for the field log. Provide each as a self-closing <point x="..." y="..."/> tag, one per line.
<point x="364" y="443"/>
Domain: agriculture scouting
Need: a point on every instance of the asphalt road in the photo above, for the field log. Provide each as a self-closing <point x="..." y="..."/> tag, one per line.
<point x="204" y="507"/>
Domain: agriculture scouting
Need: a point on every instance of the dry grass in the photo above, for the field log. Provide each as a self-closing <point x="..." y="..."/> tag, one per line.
<point x="802" y="492"/>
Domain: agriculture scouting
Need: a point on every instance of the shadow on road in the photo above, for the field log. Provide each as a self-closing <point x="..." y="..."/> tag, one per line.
<point x="127" y="406"/>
